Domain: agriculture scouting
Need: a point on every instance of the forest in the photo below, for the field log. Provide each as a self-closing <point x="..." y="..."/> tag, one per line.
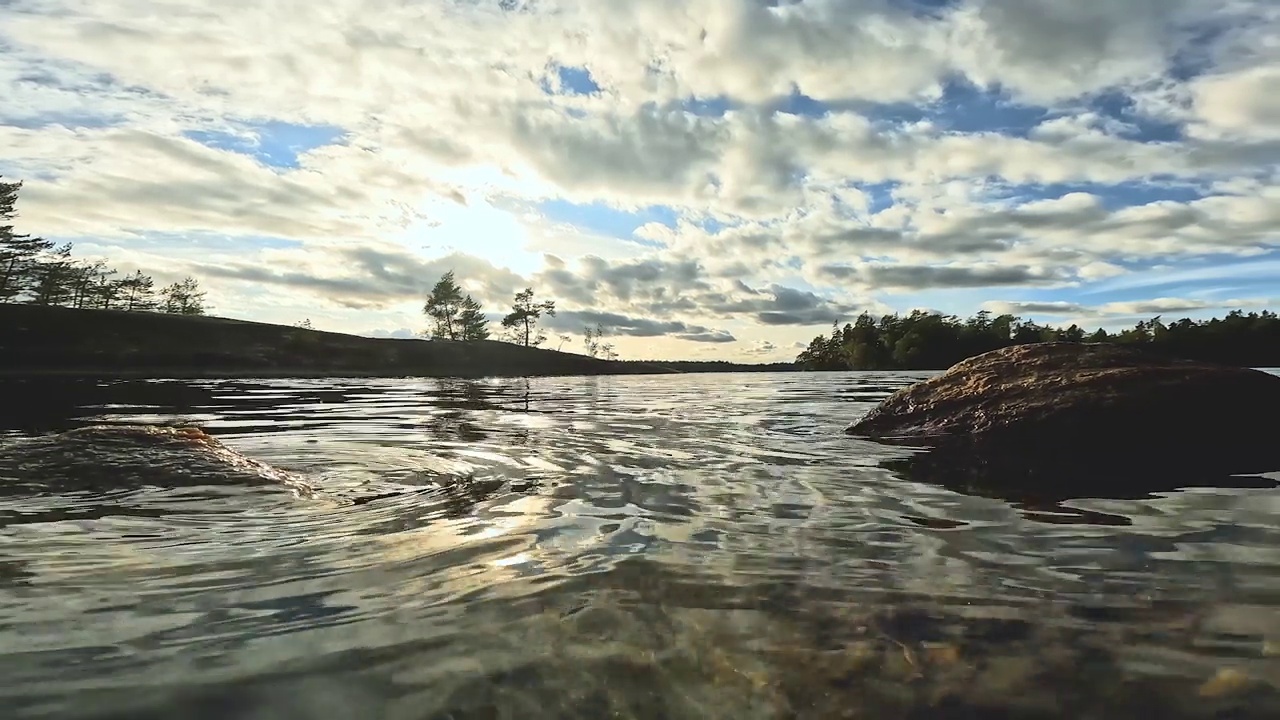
<point x="37" y="271"/>
<point x="933" y="341"/>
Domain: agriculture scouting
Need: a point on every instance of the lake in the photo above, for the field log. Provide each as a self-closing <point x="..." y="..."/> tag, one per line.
<point x="686" y="546"/>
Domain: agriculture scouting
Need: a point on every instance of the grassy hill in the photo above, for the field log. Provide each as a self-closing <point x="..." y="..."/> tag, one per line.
<point x="37" y="340"/>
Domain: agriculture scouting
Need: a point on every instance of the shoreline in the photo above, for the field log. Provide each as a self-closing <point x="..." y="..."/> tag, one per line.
<point x="59" y="342"/>
<point x="312" y="373"/>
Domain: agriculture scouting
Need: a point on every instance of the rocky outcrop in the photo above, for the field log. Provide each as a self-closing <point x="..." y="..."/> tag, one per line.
<point x="1086" y="413"/>
<point x="105" y="457"/>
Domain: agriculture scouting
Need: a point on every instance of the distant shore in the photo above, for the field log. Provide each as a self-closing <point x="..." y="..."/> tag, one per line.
<point x="44" y="341"/>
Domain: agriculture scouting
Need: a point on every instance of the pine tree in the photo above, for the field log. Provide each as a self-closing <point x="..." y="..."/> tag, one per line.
<point x="183" y="298"/>
<point x="105" y="291"/>
<point x="444" y="306"/>
<point x="137" y="292"/>
<point x="195" y="297"/>
<point x="53" y="277"/>
<point x="521" y="323"/>
<point x="475" y="326"/>
<point x="592" y="339"/>
<point x="19" y="254"/>
<point x="86" y="280"/>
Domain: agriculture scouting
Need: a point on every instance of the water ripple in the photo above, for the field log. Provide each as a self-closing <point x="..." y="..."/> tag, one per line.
<point x="571" y="546"/>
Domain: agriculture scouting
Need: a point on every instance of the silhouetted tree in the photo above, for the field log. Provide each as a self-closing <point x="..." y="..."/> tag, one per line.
<point x="596" y="346"/>
<point x="444" y="305"/>
<point x="87" y="281"/>
<point x="137" y="292"/>
<point x="474" y="325"/>
<point x="521" y="323"/>
<point x="592" y="338"/>
<point x="104" y="291"/>
<point x="183" y="298"/>
<point x="53" y="277"/>
<point x="19" y="254"/>
<point x="34" y="270"/>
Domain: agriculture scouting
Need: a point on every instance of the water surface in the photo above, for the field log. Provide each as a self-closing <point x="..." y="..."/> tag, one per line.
<point x="697" y="546"/>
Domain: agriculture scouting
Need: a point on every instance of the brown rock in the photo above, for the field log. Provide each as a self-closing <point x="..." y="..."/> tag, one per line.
<point x="1097" y="409"/>
<point x="127" y="456"/>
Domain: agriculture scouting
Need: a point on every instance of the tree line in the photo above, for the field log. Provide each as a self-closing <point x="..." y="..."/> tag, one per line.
<point x="458" y="317"/>
<point x="38" y="271"/>
<point x="933" y="341"/>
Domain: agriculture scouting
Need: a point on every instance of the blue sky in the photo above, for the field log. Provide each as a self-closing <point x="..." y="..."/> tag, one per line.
<point x="733" y="167"/>
<point x="273" y="143"/>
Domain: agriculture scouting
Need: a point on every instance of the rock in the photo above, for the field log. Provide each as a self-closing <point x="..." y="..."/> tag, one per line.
<point x="109" y="457"/>
<point x="1226" y="682"/>
<point x="1086" y="413"/>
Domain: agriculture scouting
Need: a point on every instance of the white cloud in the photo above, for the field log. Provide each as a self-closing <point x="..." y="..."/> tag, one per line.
<point x="450" y="141"/>
<point x="1048" y="51"/>
<point x="124" y="179"/>
<point x="1243" y="103"/>
<point x="1127" y="309"/>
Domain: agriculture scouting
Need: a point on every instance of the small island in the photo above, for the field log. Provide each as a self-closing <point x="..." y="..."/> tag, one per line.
<point x="49" y="340"/>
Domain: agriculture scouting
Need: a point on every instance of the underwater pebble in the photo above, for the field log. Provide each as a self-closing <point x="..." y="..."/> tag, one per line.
<point x="941" y="654"/>
<point x="1226" y="681"/>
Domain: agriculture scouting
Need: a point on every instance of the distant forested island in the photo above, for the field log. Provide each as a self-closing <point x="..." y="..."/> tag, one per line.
<point x="933" y="341"/>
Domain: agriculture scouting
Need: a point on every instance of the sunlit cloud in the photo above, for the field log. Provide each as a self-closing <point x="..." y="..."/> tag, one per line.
<point x="719" y="178"/>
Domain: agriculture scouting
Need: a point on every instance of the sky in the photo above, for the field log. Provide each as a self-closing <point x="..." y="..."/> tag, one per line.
<point x="707" y="179"/>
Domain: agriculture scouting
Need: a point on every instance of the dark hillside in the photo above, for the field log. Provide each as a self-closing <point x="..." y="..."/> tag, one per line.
<point x="55" y="340"/>
<point x="45" y="340"/>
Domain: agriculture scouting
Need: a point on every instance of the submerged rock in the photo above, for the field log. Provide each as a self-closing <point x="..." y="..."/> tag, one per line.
<point x="104" y="457"/>
<point x="1090" y="414"/>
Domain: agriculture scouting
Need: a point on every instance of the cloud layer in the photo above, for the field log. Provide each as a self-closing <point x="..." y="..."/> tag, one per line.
<point x="719" y="175"/>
